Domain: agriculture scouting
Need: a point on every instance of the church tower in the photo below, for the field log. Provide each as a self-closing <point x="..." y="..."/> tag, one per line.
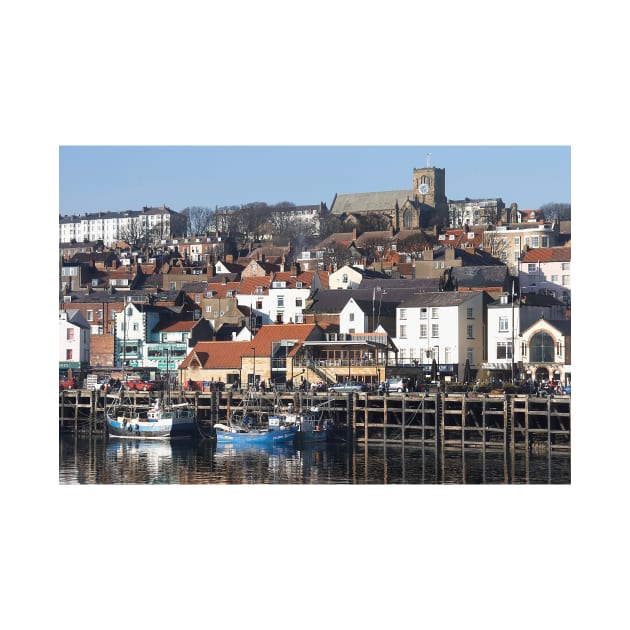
<point x="429" y="185"/>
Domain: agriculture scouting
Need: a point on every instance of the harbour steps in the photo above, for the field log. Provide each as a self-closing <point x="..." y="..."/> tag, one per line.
<point x="436" y="419"/>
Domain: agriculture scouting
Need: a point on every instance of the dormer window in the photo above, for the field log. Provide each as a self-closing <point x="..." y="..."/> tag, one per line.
<point x="258" y="291"/>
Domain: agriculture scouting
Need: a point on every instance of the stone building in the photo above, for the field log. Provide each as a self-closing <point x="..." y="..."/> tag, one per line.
<point x="424" y="204"/>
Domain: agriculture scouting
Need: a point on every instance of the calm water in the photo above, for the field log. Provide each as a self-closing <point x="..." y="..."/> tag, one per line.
<point x="100" y="460"/>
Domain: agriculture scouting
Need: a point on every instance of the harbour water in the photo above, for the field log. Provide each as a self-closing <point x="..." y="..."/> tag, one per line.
<point x="102" y="460"/>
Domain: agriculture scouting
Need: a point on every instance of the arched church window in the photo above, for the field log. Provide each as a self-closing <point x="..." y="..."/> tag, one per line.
<point x="541" y="348"/>
<point x="407" y="219"/>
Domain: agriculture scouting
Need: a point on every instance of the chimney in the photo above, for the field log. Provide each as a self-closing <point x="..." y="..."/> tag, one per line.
<point x="224" y="280"/>
<point x="427" y="254"/>
<point x="229" y="258"/>
<point x="354" y="234"/>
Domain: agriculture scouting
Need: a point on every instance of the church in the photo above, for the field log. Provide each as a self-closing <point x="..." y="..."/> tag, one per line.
<point x="422" y="206"/>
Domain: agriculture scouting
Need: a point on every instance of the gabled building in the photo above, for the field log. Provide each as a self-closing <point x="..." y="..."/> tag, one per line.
<point x="254" y="294"/>
<point x="214" y="361"/>
<point x="547" y="270"/>
<point x="447" y="326"/>
<point x="508" y="317"/>
<point x="74" y="342"/>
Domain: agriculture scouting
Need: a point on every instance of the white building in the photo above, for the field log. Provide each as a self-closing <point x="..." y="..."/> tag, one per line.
<point x="353" y="318"/>
<point x="110" y="227"/>
<point x="503" y="337"/>
<point x="547" y="271"/>
<point x="74" y="340"/>
<point x="345" y="277"/>
<point x="445" y="326"/>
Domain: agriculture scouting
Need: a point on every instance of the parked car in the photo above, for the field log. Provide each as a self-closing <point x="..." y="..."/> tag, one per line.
<point x="67" y="383"/>
<point x="395" y="384"/>
<point x="146" y="386"/>
<point x="348" y="386"/>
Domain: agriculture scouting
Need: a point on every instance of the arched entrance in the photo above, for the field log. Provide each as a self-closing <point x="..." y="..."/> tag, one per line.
<point x="542" y="374"/>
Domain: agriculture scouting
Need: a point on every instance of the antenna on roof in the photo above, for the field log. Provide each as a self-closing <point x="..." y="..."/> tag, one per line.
<point x="428" y="160"/>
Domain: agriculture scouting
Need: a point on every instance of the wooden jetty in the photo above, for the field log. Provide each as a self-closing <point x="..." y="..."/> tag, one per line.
<point x="436" y="419"/>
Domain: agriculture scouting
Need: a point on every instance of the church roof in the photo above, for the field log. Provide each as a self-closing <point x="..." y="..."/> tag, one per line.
<point x="347" y="203"/>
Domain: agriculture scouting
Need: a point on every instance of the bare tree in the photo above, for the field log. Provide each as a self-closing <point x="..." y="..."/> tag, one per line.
<point x="199" y="219"/>
<point x="560" y="211"/>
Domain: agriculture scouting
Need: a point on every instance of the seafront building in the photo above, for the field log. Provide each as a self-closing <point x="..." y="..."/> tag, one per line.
<point x="491" y="295"/>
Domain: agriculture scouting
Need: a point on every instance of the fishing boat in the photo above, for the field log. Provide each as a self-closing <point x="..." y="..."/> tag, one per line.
<point x="163" y="420"/>
<point x="312" y="424"/>
<point x="274" y="433"/>
<point x="252" y="425"/>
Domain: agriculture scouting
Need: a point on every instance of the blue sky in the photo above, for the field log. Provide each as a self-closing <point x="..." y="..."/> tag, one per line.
<point x="101" y="178"/>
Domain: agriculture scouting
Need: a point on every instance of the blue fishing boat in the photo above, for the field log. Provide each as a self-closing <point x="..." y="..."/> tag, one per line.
<point x="245" y="434"/>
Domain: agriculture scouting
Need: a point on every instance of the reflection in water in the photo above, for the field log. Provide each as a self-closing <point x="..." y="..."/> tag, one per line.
<point x="118" y="461"/>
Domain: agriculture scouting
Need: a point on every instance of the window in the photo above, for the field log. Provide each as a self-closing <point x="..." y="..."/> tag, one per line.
<point x="172" y="285"/>
<point x="136" y="327"/>
<point x="504" y="349"/>
<point x="545" y="241"/>
<point x="531" y="267"/>
<point x="435" y="330"/>
<point x="554" y="277"/>
<point x="470" y="355"/>
<point x="351" y="317"/>
<point x="99" y="314"/>
<point x="470" y="332"/>
<point x="90" y="315"/>
<point x="70" y="334"/>
<point x="470" y="313"/>
<point x="541" y="348"/>
<point x="423" y="313"/>
<point x="344" y="278"/>
<point x="403" y="313"/>
<point x="69" y="354"/>
<point x="423" y="330"/>
<point x="208" y="309"/>
<point x="504" y="325"/>
<point x="534" y="242"/>
<point x="298" y="302"/>
<point x="566" y="266"/>
<point x="403" y="331"/>
<point x="517" y="242"/>
<point x="565" y="281"/>
<point x="435" y="313"/>
<point x="281" y="301"/>
<point x="259" y="304"/>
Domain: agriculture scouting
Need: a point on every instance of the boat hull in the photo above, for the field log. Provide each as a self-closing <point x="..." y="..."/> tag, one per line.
<point x="312" y="436"/>
<point x="135" y="429"/>
<point x="254" y="437"/>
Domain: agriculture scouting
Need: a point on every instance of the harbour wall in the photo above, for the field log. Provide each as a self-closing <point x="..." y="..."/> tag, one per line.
<point x="443" y="420"/>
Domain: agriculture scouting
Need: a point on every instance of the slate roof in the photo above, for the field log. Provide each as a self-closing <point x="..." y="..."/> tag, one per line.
<point x="348" y="203"/>
<point x="444" y="298"/>
<point x="478" y="277"/>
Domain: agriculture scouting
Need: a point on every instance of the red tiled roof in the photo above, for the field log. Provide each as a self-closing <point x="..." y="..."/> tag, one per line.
<point x="305" y="277"/>
<point x="179" y="326"/>
<point x="248" y="285"/>
<point x="279" y="332"/>
<point x="547" y="254"/>
<point x="218" y="354"/>
<point x="221" y="289"/>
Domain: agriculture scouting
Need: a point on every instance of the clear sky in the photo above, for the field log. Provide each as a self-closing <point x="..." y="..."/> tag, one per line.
<point x="101" y="178"/>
